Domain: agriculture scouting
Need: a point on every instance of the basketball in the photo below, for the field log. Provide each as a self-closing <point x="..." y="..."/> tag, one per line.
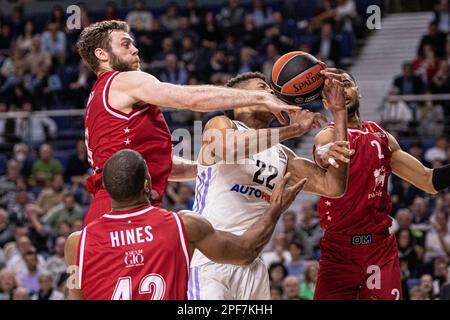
<point x="296" y="79"/>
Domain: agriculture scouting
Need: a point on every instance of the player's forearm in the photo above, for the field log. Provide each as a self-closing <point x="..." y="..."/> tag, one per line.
<point x="244" y="144"/>
<point x="206" y="98"/>
<point x="183" y="170"/>
<point x="259" y="234"/>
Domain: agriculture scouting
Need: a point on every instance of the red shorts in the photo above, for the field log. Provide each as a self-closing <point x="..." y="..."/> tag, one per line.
<point x="368" y="269"/>
<point x="99" y="206"/>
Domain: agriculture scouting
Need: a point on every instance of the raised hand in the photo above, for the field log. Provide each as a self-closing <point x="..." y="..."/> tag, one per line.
<point x="282" y="196"/>
<point x="333" y="91"/>
<point x="276" y="106"/>
<point x="339" y="150"/>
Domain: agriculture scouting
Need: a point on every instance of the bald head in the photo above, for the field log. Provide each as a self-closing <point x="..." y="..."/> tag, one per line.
<point x="124" y="175"/>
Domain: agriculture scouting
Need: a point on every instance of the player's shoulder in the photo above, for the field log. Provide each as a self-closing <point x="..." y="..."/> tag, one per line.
<point x="133" y="78"/>
<point x="220" y="122"/>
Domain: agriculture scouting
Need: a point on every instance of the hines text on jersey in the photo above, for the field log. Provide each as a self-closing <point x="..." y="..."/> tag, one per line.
<point x="131" y="236"/>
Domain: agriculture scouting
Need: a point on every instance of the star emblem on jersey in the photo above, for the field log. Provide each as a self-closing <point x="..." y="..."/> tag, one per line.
<point x="329" y="218"/>
<point x="127" y="142"/>
<point x="328" y="203"/>
<point x="126" y="130"/>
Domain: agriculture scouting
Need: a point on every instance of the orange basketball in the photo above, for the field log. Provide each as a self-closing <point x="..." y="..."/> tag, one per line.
<point x="296" y="78"/>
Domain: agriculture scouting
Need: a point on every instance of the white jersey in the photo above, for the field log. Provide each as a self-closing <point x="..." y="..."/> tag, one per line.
<point x="233" y="196"/>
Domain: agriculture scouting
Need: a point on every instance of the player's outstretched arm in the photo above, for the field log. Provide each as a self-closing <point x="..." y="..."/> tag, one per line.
<point x="183" y="169"/>
<point x="412" y="170"/>
<point x="322" y="182"/>
<point x="225" y="247"/>
<point x="141" y="86"/>
<point x="222" y="141"/>
<point x="70" y="255"/>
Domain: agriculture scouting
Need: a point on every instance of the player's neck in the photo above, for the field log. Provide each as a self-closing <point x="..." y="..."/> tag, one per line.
<point x="102" y="69"/>
<point x="353" y="120"/>
<point x="253" y="120"/>
<point x="129" y="205"/>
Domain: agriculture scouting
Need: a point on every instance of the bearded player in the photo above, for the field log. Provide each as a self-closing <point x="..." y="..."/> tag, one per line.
<point x="236" y="178"/>
<point x="359" y="257"/>
<point x="122" y="110"/>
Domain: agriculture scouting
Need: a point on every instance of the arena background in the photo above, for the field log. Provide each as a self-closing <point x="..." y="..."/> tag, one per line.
<point x="402" y="70"/>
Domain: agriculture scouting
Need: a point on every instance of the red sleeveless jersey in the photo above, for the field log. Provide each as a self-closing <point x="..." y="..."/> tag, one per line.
<point x="140" y="254"/>
<point x="108" y="130"/>
<point x="366" y="206"/>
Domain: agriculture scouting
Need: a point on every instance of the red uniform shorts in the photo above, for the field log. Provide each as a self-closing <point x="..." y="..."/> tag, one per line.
<point x="364" y="267"/>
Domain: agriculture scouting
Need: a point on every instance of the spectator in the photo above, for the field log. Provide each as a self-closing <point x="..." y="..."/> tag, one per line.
<point x="8" y="182"/>
<point x="417" y="293"/>
<point x="279" y="252"/>
<point x="231" y="16"/>
<point x="309" y="231"/>
<point x="440" y="273"/>
<point x="327" y="48"/>
<point x="55" y="264"/>
<point x="54" y="42"/>
<point x="21" y="153"/>
<point x="271" y="57"/>
<point x="81" y="84"/>
<point x="435" y="38"/>
<point x="210" y="32"/>
<point x="140" y="19"/>
<point x="46" y="166"/>
<point x="58" y="18"/>
<point x="431" y="119"/>
<point x="30" y="279"/>
<point x="111" y="12"/>
<point x="36" y="58"/>
<point x="289" y="223"/>
<point x="277" y="273"/>
<point x="19" y="262"/>
<point x="437" y="240"/>
<point x="439" y="151"/>
<point x="172" y="72"/>
<point x="308" y="285"/>
<point x="346" y="14"/>
<point x="420" y="213"/>
<point x="441" y="80"/>
<point x="21" y="293"/>
<point x="68" y="211"/>
<point x="78" y="166"/>
<point x="291" y="288"/>
<point x="442" y="16"/>
<point x="262" y="13"/>
<point x="24" y="41"/>
<point x="8" y="283"/>
<point x="426" y="66"/>
<point x="426" y="285"/>
<point x="52" y="195"/>
<point x="396" y="113"/>
<point x="182" y="196"/>
<point x="171" y="20"/>
<point x="407" y="254"/>
<point x="276" y="292"/>
<point x="46" y="290"/>
<point x="6" y="229"/>
<point x="297" y="265"/>
<point x="408" y="83"/>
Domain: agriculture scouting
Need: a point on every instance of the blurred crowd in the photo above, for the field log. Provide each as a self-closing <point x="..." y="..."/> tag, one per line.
<point x="43" y="160"/>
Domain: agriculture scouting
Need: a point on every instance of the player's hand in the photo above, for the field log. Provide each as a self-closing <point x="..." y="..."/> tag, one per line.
<point x="282" y="196"/>
<point x="333" y="91"/>
<point x="306" y="120"/>
<point x="276" y="106"/>
<point x="329" y="153"/>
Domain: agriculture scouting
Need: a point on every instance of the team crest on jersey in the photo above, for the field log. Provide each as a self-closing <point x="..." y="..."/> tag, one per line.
<point x="134" y="258"/>
<point x="380" y="179"/>
<point x="379" y="134"/>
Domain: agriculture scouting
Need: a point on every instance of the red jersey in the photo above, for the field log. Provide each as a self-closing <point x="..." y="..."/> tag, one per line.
<point x="366" y="206"/>
<point x="139" y="254"/>
<point x="108" y="130"/>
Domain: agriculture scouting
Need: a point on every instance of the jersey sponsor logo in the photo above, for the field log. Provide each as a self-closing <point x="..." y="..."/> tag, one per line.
<point x="131" y="236"/>
<point x="251" y="191"/>
<point x="134" y="258"/>
<point x="361" y="239"/>
<point x="282" y="156"/>
<point x="379" y="134"/>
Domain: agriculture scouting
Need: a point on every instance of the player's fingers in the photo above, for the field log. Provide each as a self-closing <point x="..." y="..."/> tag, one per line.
<point x="324" y="66"/>
<point x="296" y="188"/>
<point x="341" y="143"/>
<point x="340" y="156"/>
<point x="321" y="116"/>
<point x="333" y="162"/>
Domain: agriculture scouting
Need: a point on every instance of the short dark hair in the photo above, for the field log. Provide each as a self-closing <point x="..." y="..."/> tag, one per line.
<point x="342" y="71"/>
<point x="124" y="175"/>
<point x="238" y="81"/>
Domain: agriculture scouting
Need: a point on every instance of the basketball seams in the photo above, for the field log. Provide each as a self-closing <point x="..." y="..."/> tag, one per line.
<point x="294" y="55"/>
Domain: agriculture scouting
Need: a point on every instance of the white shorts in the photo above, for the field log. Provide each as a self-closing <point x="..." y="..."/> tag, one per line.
<point x="214" y="281"/>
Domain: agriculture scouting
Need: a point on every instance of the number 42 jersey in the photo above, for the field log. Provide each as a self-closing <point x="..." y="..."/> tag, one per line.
<point x="232" y="196"/>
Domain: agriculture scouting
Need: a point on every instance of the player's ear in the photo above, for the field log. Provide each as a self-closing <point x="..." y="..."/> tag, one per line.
<point x="101" y="54"/>
<point x="146" y="186"/>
